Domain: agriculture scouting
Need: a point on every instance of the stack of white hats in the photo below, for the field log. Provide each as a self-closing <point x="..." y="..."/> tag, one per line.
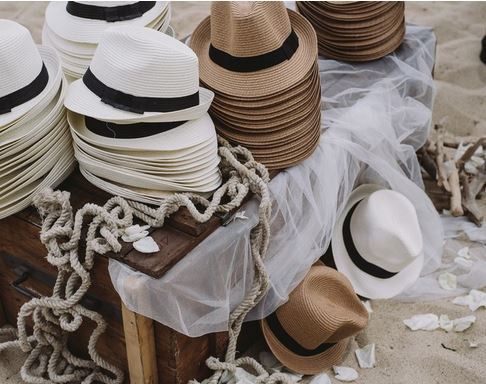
<point x="35" y="144"/>
<point x="139" y="118"/>
<point x="74" y="28"/>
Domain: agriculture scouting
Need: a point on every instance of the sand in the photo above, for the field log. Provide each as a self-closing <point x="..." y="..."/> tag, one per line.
<point x="403" y="356"/>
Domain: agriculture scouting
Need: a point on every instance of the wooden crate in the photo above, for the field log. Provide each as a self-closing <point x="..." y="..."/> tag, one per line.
<point x="24" y="272"/>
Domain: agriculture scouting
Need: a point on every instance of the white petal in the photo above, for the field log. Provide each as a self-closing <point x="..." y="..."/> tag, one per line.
<point x="322" y="378"/>
<point x="445" y="323"/>
<point x="470" y="167"/>
<point x="476" y="299"/>
<point x="426" y="322"/>
<point x="134" y="229"/>
<point x="463" y="323"/>
<point x="473" y="344"/>
<point x="366" y="356"/>
<point x="478" y="161"/>
<point x="295" y="377"/>
<point x="244" y="377"/>
<point x="345" y="373"/>
<point x="464" y="252"/>
<point x="448" y="281"/>
<point x="134" y="237"/>
<point x="463" y="262"/>
<point x="146" y="245"/>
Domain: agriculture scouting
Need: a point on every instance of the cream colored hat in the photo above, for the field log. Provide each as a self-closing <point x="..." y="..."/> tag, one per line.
<point x="27" y="73"/>
<point x="377" y="242"/>
<point x="311" y="331"/>
<point x="139" y="74"/>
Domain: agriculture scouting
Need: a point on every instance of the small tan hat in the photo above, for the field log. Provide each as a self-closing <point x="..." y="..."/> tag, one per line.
<point x="310" y="332"/>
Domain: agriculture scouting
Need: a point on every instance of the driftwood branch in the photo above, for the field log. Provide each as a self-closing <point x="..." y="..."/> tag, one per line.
<point x="469" y="200"/>
<point x="455" y="189"/>
<point x="427" y="162"/>
<point x="442" y="179"/>
<point x="470" y="153"/>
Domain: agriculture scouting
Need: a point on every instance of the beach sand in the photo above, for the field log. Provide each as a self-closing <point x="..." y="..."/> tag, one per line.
<point x="403" y="356"/>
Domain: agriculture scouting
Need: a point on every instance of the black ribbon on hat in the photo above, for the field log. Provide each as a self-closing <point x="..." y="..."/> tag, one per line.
<point x="290" y="343"/>
<point x="255" y="63"/>
<point x="128" y="131"/>
<point x="24" y="94"/>
<point x="109" y="14"/>
<point x="137" y="104"/>
<point x="356" y="258"/>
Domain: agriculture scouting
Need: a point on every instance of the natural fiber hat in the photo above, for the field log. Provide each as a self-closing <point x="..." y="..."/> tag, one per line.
<point x="139" y="74"/>
<point x="377" y="242"/>
<point x="86" y="21"/>
<point x="28" y="73"/>
<point x="311" y="331"/>
<point x="253" y="49"/>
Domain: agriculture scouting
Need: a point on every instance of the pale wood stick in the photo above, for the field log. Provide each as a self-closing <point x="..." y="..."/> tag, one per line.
<point x="469" y="200"/>
<point x="441" y="171"/>
<point x="455" y="189"/>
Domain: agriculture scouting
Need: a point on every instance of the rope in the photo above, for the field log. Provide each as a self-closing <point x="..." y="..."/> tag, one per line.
<point x="49" y="359"/>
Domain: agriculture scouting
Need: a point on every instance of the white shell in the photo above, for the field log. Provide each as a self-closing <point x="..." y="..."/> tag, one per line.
<point x="146" y="245"/>
<point x="345" y="373"/>
<point x="448" y="281"/>
<point x="474" y="300"/>
<point x="134" y="237"/>
<point x="366" y="356"/>
<point x="322" y="378"/>
<point x="426" y="322"/>
<point x="445" y="323"/>
<point x="463" y="323"/>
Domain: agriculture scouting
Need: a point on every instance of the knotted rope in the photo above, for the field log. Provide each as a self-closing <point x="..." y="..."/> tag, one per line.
<point x="49" y="359"/>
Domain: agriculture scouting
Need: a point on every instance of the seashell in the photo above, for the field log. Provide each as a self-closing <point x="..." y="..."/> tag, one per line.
<point x="426" y="322"/>
<point x="322" y="378"/>
<point x="445" y="323"/>
<point x="345" y="373"/>
<point x="463" y="323"/>
<point x="135" y="236"/>
<point x="448" y="281"/>
<point x="146" y="245"/>
<point x="366" y="356"/>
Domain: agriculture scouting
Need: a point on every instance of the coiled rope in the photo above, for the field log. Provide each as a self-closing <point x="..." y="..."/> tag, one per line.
<point x="49" y="359"/>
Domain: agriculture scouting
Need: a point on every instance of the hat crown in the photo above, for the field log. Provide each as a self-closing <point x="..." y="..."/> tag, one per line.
<point x="20" y="60"/>
<point x="247" y="28"/>
<point x="386" y="231"/>
<point x="145" y="63"/>
<point x="322" y="309"/>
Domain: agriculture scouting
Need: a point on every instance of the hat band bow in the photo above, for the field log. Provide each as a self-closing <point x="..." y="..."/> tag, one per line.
<point x="255" y="63"/>
<point x="137" y="104"/>
<point x="109" y="14"/>
<point x="24" y="94"/>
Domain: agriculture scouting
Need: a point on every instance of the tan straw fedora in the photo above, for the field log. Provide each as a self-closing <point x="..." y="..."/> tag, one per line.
<point x="310" y="332"/>
<point x="253" y="49"/>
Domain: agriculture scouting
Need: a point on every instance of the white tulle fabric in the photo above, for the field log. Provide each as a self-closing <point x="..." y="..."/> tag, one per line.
<point x="375" y="116"/>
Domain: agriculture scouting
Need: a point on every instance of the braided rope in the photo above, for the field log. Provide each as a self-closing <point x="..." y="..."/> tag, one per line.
<point x="49" y="359"/>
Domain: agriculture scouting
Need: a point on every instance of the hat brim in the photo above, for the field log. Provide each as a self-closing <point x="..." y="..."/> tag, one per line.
<point x="307" y="365"/>
<point x="259" y="83"/>
<point x="364" y="284"/>
<point x="187" y="135"/>
<point x="84" y="30"/>
<point x="53" y="66"/>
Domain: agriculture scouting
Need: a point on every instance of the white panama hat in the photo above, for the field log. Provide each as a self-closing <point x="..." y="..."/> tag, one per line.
<point x="377" y="242"/>
<point x="86" y="21"/>
<point x="138" y="75"/>
<point x="27" y="73"/>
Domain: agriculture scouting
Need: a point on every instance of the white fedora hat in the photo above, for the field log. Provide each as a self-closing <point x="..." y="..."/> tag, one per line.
<point x="85" y="21"/>
<point x="139" y="74"/>
<point x="377" y="242"/>
<point x="27" y="73"/>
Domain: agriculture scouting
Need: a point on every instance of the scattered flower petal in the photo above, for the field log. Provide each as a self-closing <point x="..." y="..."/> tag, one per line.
<point x="464" y="252"/>
<point x="448" y="281"/>
<point x="426" y="322"/>
<point x="134" y="237"/>
<point x="477" y="161"/>
<point x="463" y="323"/>
<point x="366" y="356"/>
<point x="470" y="167"/>
<point x="244" y="377"/>
<point x="345" y="373"/>
<point x="295" y="377"/>
<point x="322" y="378"/>
<point x="134" y="229"/>
<point x="240" y="215"/>
<point x="146" y="245"/>
<point x="445" y="323"/>
<point x="463" y="262"/>
<point x="473" y="344"/>
<point x="474" y="300"/>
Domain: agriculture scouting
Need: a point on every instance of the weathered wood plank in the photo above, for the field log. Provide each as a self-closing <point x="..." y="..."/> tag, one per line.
<point x="140" y="346"/>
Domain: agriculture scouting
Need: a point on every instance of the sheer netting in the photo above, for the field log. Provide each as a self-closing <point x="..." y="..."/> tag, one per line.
<point x="375" y="115"/>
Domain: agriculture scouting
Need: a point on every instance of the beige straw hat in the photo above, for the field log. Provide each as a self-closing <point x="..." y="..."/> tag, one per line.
<point x="310" y="332"/>
<point x="253" y="49"/>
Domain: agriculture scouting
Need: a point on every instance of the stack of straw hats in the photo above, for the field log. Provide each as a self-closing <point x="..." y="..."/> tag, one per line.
<point x="35" y="144"/>
<point x="139" y="118"/>
<point x="260" y="60"/>
<point x="356" y="30"/>
<point x="74" y="28"/>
